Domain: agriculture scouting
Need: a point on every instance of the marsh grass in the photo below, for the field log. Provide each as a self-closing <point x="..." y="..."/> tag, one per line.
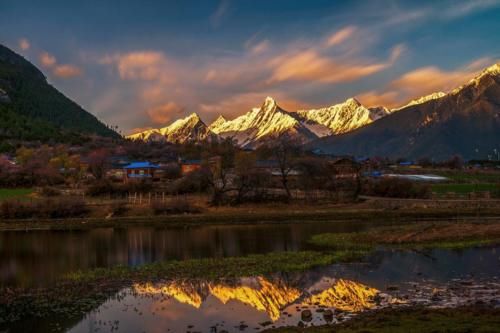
<point x="423" y="235"/>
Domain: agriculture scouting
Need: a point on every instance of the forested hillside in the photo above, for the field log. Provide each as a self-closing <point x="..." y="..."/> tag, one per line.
<point x="32" y="109"/>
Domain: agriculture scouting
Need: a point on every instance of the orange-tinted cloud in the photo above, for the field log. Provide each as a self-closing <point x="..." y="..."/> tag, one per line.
<point x="425" y="80"/>
<point x="309" y="65"/>
<point x="141" y="65"/>
<point x="67" y="71"/>
<point x="47" y="60"/>
<point x="340" y="36"/>
<point x="388" y="99"/>
<point x="24" y="44"/>
<point x="162" y="114"/>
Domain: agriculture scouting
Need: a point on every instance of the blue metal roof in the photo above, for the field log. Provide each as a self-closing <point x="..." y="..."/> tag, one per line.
<point x="141" y="165"/>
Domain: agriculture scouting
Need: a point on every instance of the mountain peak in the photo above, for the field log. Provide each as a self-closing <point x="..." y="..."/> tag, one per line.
<point x="420" y="100"/>
<point x="493" y="69"/>
<point x="269" y="103"/>
<point x="352" y="100"/>
<point x="193" y="115"/>
<point x="217" y="122"/>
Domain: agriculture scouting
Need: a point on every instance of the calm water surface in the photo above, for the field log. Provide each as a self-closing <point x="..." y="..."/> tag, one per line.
<point x="38" y="257"/>
<point x="332" y="294"/>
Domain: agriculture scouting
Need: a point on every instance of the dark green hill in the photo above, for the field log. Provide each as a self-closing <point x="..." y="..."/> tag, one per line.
<point x="32" y="109"/>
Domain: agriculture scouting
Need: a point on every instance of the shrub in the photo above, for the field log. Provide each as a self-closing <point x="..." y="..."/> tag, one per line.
<point x="398" y="188"/>
<point x="13" y="209"/>
<point x="194" y="182"/>
<point x="48" y="191"/>
<point x="102" y="187"/>
<point x="106" y="187"/>
<point x="48" y="208"/>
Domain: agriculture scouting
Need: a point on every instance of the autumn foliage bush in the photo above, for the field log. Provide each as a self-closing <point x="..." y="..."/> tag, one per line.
<point x="46" y="208"/>
<point x="106" y="187"/>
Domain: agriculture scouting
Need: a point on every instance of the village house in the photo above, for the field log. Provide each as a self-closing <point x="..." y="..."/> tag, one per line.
<point x="140" y="170"/>
<point x="345" y="167"/>
<point x="188" y="166"/>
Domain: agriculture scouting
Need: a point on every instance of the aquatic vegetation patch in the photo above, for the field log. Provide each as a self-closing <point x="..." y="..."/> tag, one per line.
<point x="419" y="235"/>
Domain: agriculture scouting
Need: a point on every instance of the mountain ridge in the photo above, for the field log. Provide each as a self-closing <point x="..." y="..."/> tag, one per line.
<point x="412" y="130"/>
<point x="464" y="122"/>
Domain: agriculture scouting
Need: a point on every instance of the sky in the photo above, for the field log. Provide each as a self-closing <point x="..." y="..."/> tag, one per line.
<point x="143" y="64"/>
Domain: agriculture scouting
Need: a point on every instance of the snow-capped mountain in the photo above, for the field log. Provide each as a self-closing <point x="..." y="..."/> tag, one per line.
<point x="261" y="124"/>
<point x="340" y="118"/>
<point x="421" y="100"/>
<point x="217" y="123"/>
<point x="269" y="121"/>
<point x="191" y="128"/>
<point x="464" y="122"/>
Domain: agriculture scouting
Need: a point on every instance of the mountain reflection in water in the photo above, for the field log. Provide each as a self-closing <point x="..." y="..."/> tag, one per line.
<point x="255" y="301"/>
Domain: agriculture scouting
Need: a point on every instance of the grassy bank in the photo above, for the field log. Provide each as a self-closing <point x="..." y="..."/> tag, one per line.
<point x="472" y="319"/>
<point x="260" y="214"/>
<point x="15" y="193"/>
<point x="464" y="188"/>
<point x="421" y="235"/>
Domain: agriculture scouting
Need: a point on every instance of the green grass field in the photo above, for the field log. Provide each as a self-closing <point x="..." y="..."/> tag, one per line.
<point x="471" y="177"/>
<point x="464" y="188"/>
<point x="14" y="193"/>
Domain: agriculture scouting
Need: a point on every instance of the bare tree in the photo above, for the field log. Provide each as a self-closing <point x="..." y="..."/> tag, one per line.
<point x="286" y="150"/>
<point x="98" y="163"/>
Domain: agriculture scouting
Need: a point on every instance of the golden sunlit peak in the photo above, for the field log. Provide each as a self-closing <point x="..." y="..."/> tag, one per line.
<point x="345" y="295"/>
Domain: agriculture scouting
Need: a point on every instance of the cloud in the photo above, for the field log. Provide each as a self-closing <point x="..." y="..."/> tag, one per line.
<point x="67" y="71"/>
<point x="24" y="44"/>
<point x="372" y="98"/>
<point x="469" y="7"/>
<point x="309" y="65"/>
<point x="423" y="81"/>
<point x="64" y="71"/>
<point x="260" y="47"/>
<point x="219" y="14"/>
<point x="162" y="114"/>
<point x="47" y="60"/>
<point x="340" y="36"/>
<point x="139" y="65"/>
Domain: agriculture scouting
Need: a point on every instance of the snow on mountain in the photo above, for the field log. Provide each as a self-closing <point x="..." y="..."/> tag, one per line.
<point x="191" y="128"/>
<point x="378" y="112"/>
<point x="217" y="123"/>
<point x="491" y="71"/>
<point x="270" y="121"/>
<point x="340" y="118"/>
<point x="421" y="100"/>
<point x="261" y="123"/>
